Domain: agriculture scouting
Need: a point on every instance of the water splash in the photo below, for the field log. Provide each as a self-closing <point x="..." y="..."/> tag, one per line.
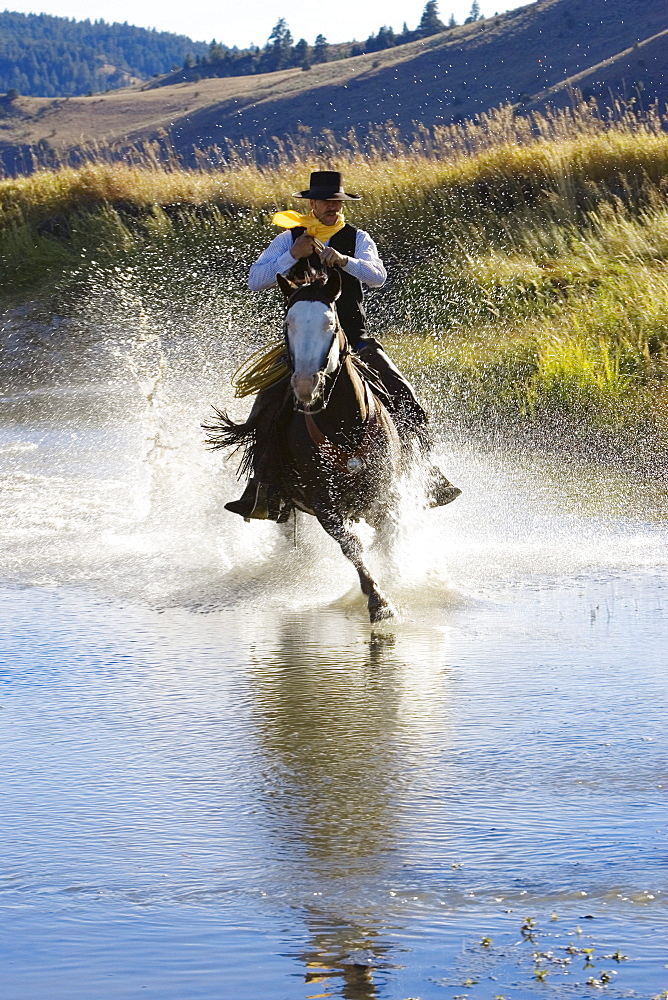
<point x="106" y="483"/>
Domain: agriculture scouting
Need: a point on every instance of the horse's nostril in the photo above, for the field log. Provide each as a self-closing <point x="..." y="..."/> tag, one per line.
<point x="305" y="387"/>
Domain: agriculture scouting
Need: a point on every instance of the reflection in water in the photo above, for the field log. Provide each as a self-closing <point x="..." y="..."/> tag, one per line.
<point x="326" y="809"/>
<point x="343" y="718"/>
<point x="343" y="956"/>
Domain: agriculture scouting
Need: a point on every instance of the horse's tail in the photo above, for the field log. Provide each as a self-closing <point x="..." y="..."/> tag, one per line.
<point x="225" y="433"/>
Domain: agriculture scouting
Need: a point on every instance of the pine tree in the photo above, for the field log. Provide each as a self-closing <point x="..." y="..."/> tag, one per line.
<point x="321" y="49"/>
<point x="301" y="54"/>
<point x="452" y="23"/>
<point x="475" y="14"/>
<point x="50" y="56"/>
<point x="403" y="36"/>
<point x="278" y="51"/>
<point x="430" y="22"/>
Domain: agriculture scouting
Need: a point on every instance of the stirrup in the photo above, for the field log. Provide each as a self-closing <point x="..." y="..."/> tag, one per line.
<point x="252" y="503"/>
<point x="261" y="502"/>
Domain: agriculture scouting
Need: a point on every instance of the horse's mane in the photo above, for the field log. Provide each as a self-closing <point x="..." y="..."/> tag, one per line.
<point x="308" y="271"/>
<point x="313" y="291"/>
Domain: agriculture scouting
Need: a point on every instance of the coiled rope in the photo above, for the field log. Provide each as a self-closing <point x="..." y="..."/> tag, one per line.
<point x="262" y="369"/>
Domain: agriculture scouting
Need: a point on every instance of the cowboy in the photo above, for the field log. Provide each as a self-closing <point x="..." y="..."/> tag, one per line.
<point x="323" y="237"/>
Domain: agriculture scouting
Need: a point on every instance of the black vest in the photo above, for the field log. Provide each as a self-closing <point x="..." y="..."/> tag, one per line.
<point x="350" y="304"/>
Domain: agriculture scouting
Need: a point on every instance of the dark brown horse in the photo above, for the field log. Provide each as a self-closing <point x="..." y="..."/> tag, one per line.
<point x="339" y="446"/>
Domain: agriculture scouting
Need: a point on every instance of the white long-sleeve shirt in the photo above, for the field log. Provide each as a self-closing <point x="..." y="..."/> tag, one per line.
<point x="366" y="265"/>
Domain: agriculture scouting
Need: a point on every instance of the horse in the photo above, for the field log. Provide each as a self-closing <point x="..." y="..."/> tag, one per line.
<point x="340" y="449"/>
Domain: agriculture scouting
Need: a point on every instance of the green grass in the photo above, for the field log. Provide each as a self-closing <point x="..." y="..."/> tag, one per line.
<point x="529" y="259"/>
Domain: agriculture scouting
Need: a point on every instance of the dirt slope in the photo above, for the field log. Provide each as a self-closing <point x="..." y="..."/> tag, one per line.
<point x="527" y="57"/>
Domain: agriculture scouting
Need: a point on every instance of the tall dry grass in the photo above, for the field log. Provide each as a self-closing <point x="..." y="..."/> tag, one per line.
<point x="529" y="254"/>
<point x="512" y="158"/>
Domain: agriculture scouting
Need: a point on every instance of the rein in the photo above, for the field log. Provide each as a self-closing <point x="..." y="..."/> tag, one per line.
<point x="343" y="354"/>
<point x="350" y="463"/>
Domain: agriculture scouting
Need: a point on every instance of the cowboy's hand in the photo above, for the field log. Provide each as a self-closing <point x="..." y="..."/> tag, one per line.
<point x="302" y="247"/>
<point x="332" y="257"/>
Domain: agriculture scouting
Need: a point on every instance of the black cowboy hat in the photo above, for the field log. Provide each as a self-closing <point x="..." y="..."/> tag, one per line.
<point x="326" y="185"/>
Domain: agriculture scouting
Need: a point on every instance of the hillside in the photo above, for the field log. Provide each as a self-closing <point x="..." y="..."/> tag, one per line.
<point x="527" y="57"/>
<point x="47" y="56"/>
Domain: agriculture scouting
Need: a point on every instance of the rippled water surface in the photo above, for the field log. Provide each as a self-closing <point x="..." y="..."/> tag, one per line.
<point x="220" y="782"/>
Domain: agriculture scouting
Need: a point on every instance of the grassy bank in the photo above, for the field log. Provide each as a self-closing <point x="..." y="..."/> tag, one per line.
<point x="529" y="257"/>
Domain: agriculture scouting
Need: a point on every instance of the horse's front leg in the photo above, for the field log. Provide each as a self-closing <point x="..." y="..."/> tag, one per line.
<point x="380" y="607"/>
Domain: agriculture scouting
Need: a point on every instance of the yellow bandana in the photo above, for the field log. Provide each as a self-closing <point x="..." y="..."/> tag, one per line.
<point x="313" y="226"/>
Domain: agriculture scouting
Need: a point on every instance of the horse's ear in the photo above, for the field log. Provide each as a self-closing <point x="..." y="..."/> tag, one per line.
<point x="333" y="286"/>
<point x="286" y="286"/>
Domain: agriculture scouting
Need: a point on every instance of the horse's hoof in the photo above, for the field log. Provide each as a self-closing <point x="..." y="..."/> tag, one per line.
<point x="381" y="611"/>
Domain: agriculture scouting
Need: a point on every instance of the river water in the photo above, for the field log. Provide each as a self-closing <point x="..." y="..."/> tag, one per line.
<point x="220" y="782"/>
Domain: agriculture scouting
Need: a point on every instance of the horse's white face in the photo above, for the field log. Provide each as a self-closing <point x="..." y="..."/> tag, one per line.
<point x="311" y="329"/>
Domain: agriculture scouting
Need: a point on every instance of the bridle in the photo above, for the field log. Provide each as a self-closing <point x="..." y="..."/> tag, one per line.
<point x="344" y="351"/>
<point x="351" y="463"/>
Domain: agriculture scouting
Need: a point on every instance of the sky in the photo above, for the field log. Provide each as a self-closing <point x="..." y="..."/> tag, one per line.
<point x="248" y="23"/>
